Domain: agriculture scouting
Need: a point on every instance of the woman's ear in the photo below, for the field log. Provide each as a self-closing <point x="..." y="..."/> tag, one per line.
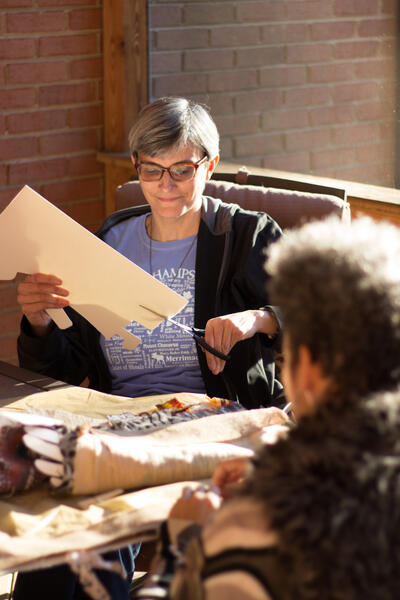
<point x="211" y="166"/>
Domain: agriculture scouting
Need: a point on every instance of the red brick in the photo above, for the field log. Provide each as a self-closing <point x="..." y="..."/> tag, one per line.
<point x="69" y="45"/>
<point x="166" y="62"/>
<point x="220" y="81"/>
<point x="6" y="195"/>
<point x="38" y="170"/>
<point x="290" y="161"/>
<point x="331" y="115"/>
<point x="84" y="165"/>
<point x="332" y="158"/>
<point x="231" y="125"/>
<point x="375" y="69"/>
<point x="371" y="111"/>
<point x="165" y="16"/>
<point x="389" y="7"/>
<point x="219" y="104"/>
<point x="332" y="30"/>
<point x="388" y="47"/>
<point x="260" y="56"/>
<point x="330" y="73"/>
<point x="371" y="152"/>
<point x="8" y="296"/>
<point x="351" y="134"/>
<point x="208" y="13"/>
<point x="85" y="19"/>
<point x="86" y="68"/>
<point x="285" y="119"/>
<point x="16" y="48"/>
<point x="38" y="120"/>
<point x="63" y="143"/>
<point x="17" y="98"/>
<point x="179" y="84"/>
<point x="9" y="322"/>
<point x="45" y="72"/>
<point x="257" y="101"/>
<point x="354" y="91"/>
<point x="303" y="140"/>
<point x="20" y="147"/>
<point x="253" y="145"/>
<point x="377" y="28"/>
<point x="2" y="124"/>
<point x="226" y="148"/>
<point x="3" y="175"/>
<point x="86" y="116"/>
<point x="176" y="39"/>
<point x="279" y="34"/>
<point x="35" y="22"/>
<point x="70" y="191"/>
<point x="307" y="96"/>
<point x="359" y="8"/>
<point x="260" y="11"/>
<point x="236" y="35"/>
<point x="306" y="53"/>
<point x="64" y="3"/>
<point x="387" y="132"/>
<point x="355" y="49"/>
<point x="205" y="60"/>
<point x="86" y="212"/>
<point x="16" y="3"/>
<point x="283" y="76"/>
<point x="67" y="94"/>
<point x="309" y="10"/>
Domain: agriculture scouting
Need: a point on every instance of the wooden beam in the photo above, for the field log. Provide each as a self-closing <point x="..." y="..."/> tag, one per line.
<point x="125" y="61"/>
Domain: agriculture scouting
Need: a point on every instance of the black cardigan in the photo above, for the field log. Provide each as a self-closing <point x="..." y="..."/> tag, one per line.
<point x="230" y="277"/>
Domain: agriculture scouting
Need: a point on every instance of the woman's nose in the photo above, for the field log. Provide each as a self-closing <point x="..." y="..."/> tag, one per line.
<point x="166" y="181"/>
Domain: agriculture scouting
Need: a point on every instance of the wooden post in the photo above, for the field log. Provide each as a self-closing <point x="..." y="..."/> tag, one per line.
<point x="125" y="60"/>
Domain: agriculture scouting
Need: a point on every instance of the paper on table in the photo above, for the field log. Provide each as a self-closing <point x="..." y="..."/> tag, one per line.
<point x="105" y="287"/>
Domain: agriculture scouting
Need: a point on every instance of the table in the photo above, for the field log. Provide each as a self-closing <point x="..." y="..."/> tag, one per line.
<point x="17" y="383"/>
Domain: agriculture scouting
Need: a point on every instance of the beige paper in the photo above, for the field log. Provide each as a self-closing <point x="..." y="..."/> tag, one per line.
<point x="105" y="287"/>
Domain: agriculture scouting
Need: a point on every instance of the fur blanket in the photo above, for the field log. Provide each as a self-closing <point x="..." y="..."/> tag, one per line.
<point x="332" y="492"/>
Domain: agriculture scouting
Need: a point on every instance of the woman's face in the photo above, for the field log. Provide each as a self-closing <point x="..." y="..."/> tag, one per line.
<point x="169" y="198"/>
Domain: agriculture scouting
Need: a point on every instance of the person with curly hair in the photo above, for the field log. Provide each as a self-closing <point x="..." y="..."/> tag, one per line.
<point x="316" y="514"/>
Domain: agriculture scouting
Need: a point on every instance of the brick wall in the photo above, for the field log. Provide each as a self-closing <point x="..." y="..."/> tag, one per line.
<point x="306" y="86"/>
<point x="51" y="119"/>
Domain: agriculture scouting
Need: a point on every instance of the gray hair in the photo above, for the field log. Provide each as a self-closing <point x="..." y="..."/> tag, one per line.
<point x="171" y="123"/>
<point x="338" y="286"/>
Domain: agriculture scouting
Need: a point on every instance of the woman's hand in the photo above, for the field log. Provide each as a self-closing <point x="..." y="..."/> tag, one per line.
<point x="229" y="474"/>
<point x="222" y="333"/>
<point x="196" y="505"/>
<point x="37" y="293"/>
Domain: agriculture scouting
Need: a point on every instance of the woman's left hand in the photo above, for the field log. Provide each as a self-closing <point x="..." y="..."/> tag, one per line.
<point x="196" y="505"/>
<point x="222" y="333"/>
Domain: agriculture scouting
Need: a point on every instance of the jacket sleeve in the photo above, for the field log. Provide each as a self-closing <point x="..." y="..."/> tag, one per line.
<point x="62" y="354"/>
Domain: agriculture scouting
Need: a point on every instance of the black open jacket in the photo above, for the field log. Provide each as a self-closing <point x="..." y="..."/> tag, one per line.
<point x="230" y="277"/>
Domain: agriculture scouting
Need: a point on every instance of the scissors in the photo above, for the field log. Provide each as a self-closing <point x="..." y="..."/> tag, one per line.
<point x="197" y="334"/>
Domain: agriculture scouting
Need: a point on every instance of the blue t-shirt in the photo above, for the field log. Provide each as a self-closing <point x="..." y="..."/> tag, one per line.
<point x="166" y="360"/>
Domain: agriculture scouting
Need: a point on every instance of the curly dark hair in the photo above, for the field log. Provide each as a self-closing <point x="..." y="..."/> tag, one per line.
<point x="338" y="286"/>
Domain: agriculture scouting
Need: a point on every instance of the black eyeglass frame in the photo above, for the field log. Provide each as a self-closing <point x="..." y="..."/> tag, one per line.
<point x="195" y="165"/>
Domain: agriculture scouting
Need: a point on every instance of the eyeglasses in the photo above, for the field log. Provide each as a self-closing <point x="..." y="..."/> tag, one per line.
<point x="178" y="172"/>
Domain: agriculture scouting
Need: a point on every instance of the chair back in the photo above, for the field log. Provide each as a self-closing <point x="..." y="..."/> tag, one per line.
<point x="288" y="208"/>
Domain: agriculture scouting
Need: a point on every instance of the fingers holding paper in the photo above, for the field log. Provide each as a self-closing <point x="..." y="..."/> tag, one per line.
<point x="36" y="294"/>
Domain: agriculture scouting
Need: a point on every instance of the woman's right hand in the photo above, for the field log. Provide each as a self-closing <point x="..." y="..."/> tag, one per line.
<point x="37" y="293"/>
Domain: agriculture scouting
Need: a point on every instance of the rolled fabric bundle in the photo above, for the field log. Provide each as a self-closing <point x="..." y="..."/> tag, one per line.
<point x="94" y="462"/>
<point x="104" y="462"/>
